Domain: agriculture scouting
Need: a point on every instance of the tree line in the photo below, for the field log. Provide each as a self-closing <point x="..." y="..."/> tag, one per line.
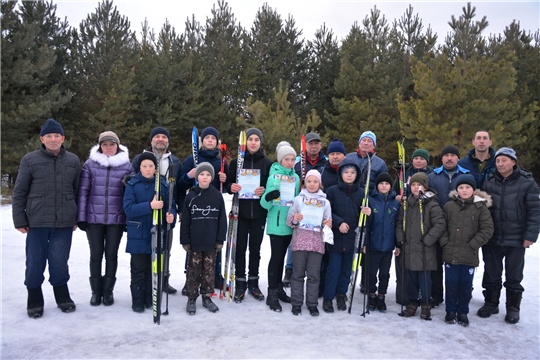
<point x="394" y="78"/>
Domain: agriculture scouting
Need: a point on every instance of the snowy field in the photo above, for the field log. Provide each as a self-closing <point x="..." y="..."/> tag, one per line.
<point x="246" y="330"/>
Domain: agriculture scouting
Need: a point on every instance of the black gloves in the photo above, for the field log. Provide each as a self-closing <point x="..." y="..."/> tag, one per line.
<point x="274" y="194"/>
<point x="83" y="225"/>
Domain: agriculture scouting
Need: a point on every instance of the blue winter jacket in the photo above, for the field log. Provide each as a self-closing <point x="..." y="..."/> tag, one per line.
<point x="377" y="166"/>
<point x="440" y="181"/>
<point x="382" y="222"/>
<point x="471" y="163"/>
<point x="138" y="195"/>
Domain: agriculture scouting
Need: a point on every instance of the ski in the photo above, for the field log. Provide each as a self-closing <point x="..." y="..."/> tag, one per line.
<point x="157" y="253"/>
<point x="166" y="265"/>
<point x="195" y="148"/>
<point x="303" y="158"/>
<point x="227" y="289"/>
<point x="359" y="239"/>
<point x="403" y="193"/>
<point x="224" y="158"/>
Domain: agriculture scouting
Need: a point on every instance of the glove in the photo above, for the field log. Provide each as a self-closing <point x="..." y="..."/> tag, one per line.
<point x="219" y="246"/>
<point x="274" y="194"/>
<point x="83" y="225"/>
<point x="186" y="247"/>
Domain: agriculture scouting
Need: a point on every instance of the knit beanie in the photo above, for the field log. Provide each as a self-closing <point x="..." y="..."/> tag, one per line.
<point x="210" y="131"/>
<point x="108" y="136"/>
<point x="384" y="177"/>
<point x="254" y="131"/>
<point x="204" y="166"/>
<point x="450" y="149"/>
<point x="422" y="153"/>
<point x="369" y="134"/>
<point x="147" y="156"/>
<point x="160" y="130"/>
<point x="315" y="173"/>
<point x="283" y="149"/>
<point x="466" y="179"/>
<point x="51" y="126"/>
<point x="506" y="151"/>
<point x="336" y="146"/>
<point x="421" y="178"/>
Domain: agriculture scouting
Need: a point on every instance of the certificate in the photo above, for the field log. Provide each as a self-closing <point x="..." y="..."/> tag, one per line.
<point x="287" y="189"/>
<point x="313" y="212"/>
<point x="249" y="179"/>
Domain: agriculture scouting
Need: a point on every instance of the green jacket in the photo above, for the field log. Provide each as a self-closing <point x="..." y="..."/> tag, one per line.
<point x="276" y="222"/>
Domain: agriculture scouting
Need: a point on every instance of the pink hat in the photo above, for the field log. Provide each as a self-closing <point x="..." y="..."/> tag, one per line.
<point x="314" y="173"/>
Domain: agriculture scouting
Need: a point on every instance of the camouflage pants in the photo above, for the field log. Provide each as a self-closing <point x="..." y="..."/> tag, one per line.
<point x="200" y="273"/>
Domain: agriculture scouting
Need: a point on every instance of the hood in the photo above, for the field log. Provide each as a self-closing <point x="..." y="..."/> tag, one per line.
<point x="118" y="159"/>
<point x="479" y="196"/>
<point x="348" y="162"/>
<point x="319" y="195"/>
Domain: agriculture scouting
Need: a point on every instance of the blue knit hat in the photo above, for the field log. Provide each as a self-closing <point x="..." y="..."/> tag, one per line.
<point x="51" y="126"/>
<point x="369" y="134"/>
<point x="506" y="151"/>
<point x="160" y="130"/>
<point x="336" y="146"/>
<point x="209" y="131"/>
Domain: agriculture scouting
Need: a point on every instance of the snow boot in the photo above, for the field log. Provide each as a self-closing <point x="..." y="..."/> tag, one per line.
<point x="313" y="311"/>
<point x="34" y="307"/>
<point x="341" y="301"/>
<point x="450" y="317"/>
<point x="253" y="288"/>
<point x="167" y="288"/>
<point x="63" y="300"/>
<point x="410" y="310"/>
<point x="137" y="298"/>
<point x="209" y="304"/>
<point x="372" y="304"/>
<point x="108" y="287"/>
<point x="491" y="304"/>
<point x="287" y="278"/>
<point x="426" y="312"/>
<point x="273" y="300"/>
<point x="463" y="320"/>
<point x="240" y="290"/>
<point x="327" y="306"/>
<point x="282" y="295"/>
<point x="296" y="310"/>
<point x="191" y="306"/>
<point x="97" y="290"/>
<point x="381" y="304"/>
<point x="513" y="302"/>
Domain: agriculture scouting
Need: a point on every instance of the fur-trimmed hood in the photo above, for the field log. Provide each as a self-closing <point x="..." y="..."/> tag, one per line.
<point x="119" y="159"/>
<point x="479" y="196"/>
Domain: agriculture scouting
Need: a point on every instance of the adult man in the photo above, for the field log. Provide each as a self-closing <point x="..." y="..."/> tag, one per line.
<point x="480" y="161"/>
<point x="45" y="209"/>
<point x="336" y="154"/>
<point x="169" y="165"/>
<point x="443" y="180"/>
<point x="516" y="216"/>
<point x="315" y="158"/>
<point x="366" y="147"/>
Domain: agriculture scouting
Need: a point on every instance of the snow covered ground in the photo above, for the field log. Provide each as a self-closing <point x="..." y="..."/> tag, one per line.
<point x="247" y="330"/>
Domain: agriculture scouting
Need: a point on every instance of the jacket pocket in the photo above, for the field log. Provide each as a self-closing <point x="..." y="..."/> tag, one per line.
<point x="134" y="229"/>
<point x="34" y="204"/>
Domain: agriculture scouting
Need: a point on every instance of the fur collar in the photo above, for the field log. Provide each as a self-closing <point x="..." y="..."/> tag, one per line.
<point x="119" y="159"/>
<point x="479" y="196"/>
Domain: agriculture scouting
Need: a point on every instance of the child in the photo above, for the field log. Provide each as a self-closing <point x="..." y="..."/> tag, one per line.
<point x="418" y="242"/>
<point x="469" y="226"/>
<point x="345" y="200"/>
<point x="307" y="246"/>
<point x="202" y="233"/>
<point x="139" y="202"/>
<point x="381" y="238"/>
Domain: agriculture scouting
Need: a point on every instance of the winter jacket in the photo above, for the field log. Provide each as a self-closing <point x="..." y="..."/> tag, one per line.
<point x="440" y="181"/>
<point x="409" y="172"/>
<point x="251" y="208"/>
<point x="377" y="166"/>
<point x="382" y="221"/>
<point x="302" y="239"/>
<point x="472" y="164"/>
<point x="329" y="177"/>
<point x="412" y="242"/>
<point x="101" y="189"/>
<point x="276" y="222"/>
<point x="204" y="219"/>
<point x="468" y="227"/>
<point x="139" y="193"/>
<point x="516" y="208"/>
<point x="45" y="193"/>
<point x="317" y="165"/>
<point x="345" y="201"/>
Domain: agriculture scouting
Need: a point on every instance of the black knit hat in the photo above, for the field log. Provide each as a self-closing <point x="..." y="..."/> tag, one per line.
<point x="450" y="149"/>
<point x="384" y="177"/>
<point x="466" y="179"/>
<point x="160" y="130"/>
<point x="254" y="131"/>
<point x="51" y="126"/>
<point x="147" y="156"/>
<point x="210" y="131"/>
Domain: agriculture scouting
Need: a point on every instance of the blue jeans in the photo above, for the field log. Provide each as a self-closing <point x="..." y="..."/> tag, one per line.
<point x="338" y="274"/>
<point x="458" y="283"/>
<point x="50" y="245"/>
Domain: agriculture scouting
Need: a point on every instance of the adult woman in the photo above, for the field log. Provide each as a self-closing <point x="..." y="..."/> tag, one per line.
<point x="100" y="211"/>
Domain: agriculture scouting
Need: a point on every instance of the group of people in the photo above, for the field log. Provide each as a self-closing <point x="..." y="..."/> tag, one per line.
<point x="440" y="217"/>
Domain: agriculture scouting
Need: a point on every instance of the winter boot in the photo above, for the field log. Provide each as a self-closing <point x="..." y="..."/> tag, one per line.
<point x="372" y="301"/>
<point x="313" y="311"/>
<point x="463" y="320"/>
<point x="209" y="304"/>
<point x="426" y="312"/>
<point x="108" y="287"/>
<point x="327" y="306"/>
<point x="381" y="304"/>
<point x="296" y="310"/>
<point x="97" y="291"/>
<point x="273" y="301"/>
<point x="410" y="310"/>
<point x="513" y="302"/>
<point x="137" y="298"/>
<point x="287" y="278"/>
<point x="191" y="306"/>
<point x="63" y="300"/>
<point x="34" y="307"/>
<point x="240" y="290"/>
<point x="184" y="290"/>
<point x="282" y="295"/>
<point x="341" y="300"/>
<point x="491" y="304"/>
<point x="450" y="317"/>
<point x="253" y="288"/>
<point x="167" y="288"/>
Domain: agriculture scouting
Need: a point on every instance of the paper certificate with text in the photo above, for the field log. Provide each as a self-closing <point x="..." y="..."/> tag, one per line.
<point x="287" y="189"/>
<point x="313" y="212"/>
<point x="249" y="180"/>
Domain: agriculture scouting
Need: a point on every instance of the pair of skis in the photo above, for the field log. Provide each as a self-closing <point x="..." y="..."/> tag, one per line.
<point x="227" y="288"/>
<point x="403" y="192"/>
<point x="157" y="252"/>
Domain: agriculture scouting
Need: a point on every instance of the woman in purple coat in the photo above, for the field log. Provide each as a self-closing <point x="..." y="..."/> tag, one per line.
<point x="101" y="213"/>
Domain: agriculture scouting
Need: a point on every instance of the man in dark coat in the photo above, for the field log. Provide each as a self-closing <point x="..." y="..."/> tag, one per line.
<point x="516" y="216"/>
<point x="315" y="158"/>
<point x="45" y="209"/>
<point x="480" y="161"/>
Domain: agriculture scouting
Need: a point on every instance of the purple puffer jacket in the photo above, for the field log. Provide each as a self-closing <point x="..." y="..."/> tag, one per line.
<point x="101" y="190"/>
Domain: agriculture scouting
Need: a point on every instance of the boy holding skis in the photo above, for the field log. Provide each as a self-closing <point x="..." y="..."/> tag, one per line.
<point x="202" y="233"/>
<point x="140" y="201"/>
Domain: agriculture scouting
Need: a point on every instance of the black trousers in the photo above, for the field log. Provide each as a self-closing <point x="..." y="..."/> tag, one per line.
<point x="514" y="263"/>
<point x="250" y="233"/>
<point x="437" y="277"/>
<point x="141" y="269"/>
<point x="104" y="239"/>
<point x="279" y="246"/>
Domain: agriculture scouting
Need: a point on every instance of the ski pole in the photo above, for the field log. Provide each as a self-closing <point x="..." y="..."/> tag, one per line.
<point x="420" y="193"/>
